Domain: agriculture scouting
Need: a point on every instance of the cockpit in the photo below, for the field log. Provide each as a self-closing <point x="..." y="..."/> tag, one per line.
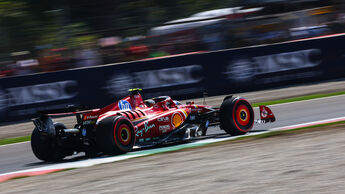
<point x="163" y="101"/>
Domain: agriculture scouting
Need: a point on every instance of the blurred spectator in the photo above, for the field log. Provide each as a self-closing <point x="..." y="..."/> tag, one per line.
<point x="23" y="63"/>
<point x="55" y="59"/>
<point x="112" y="54"/>
<point x="5" y="70"/>
<point x="87" y="56"/>
<point x="27" y="66"/>
<point x="157" y="52"/>
<point x="213" y="41"/>
<point x="137" y="52"/>
<point x="260" y="23"/>
<point x="110" y="51"/>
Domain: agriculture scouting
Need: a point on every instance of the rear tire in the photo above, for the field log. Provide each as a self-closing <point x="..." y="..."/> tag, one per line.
<point x="44" y="147"/>
<point x="115" y="135"/>
<point x="236" y="116"/>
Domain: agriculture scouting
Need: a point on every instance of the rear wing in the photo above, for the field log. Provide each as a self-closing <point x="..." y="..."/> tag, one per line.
<point x="69" y="110"/>
<point x="43" y="121"/>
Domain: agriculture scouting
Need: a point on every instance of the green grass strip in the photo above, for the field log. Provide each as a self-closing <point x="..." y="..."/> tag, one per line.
<point x="301" y="98"/>
<point x="14" y="140"/>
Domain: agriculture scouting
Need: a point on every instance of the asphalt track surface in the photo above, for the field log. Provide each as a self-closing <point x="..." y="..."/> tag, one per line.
<point x="19" y="156"/>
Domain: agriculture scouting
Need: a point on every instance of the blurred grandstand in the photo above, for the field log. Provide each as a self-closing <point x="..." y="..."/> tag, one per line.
<point x="73" y="41"/>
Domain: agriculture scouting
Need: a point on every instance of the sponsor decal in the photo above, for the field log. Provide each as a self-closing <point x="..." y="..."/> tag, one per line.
<point x="88" y="122"/>
<point x="164" y="128"/>
<point x="287" y="61"/>
<point x="119" y="83"/>
<point x="286" y="77"/>
<point x="176" y="119"/>
<point x="240" y="69"/>
<point x="146" y="128"/>
<point x="41" y="93"/>
<point x="245" y="68"/>
<point x="124" y="105"/>
<point x="163" y="119"/>
<point x="196" y="109"/>
<point x="169" y="76"/>
<point x="90" y="117"/>
<point x="36" y="94"/>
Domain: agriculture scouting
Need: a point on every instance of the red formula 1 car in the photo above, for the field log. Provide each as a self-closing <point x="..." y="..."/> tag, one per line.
<point x="131" y="121"/>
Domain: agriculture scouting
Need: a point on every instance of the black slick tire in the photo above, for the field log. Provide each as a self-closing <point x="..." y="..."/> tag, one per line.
<point x="115" y="135"/>
<point x="44" y="147"/>
<point x="236" y="116"/>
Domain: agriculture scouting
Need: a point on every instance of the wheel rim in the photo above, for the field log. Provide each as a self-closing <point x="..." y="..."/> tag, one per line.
<point x="124" y="134"/>
<point x="242" y="115"/>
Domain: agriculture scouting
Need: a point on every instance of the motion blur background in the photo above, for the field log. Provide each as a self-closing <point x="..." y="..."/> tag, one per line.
<point x="45" y="36"/>
<point x="89" y="53"/>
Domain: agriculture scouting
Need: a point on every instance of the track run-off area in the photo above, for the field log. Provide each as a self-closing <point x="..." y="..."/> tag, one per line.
<point x="17" y="160"/>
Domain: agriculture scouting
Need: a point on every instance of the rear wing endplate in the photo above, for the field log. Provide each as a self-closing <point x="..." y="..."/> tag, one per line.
<point x="266" y="115"/>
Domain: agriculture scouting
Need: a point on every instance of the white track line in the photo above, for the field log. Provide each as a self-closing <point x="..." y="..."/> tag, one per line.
<point x="326" y="121"/>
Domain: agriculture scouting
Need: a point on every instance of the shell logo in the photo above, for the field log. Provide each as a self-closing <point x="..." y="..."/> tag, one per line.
<point x="176" y="120"/>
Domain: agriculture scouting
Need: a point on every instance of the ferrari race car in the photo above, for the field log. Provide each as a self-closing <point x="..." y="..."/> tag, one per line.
<point x="131" y="121"/>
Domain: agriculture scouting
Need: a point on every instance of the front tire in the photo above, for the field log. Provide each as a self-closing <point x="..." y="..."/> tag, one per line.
<point x="115" y="135"/>
<point x="44" y="147"/>
<point x="236" y="116"/>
